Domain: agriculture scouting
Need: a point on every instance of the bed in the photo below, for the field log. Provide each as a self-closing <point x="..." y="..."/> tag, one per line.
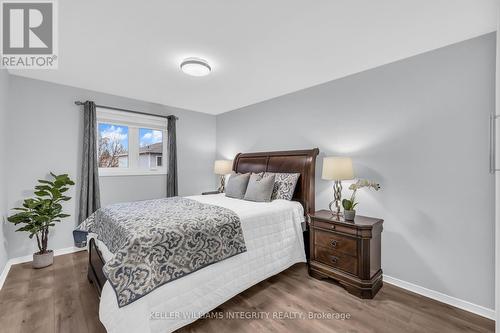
<point x="275" y="239"/>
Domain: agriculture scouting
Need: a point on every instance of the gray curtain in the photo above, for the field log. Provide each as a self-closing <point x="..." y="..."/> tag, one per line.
<point x="90" y="199"/>
<point x="172" y="158"/>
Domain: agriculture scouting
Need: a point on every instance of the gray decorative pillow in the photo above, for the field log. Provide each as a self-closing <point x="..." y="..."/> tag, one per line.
<point x="237" y="185"/>
<point x="259" y="188"/>
<point x="284" y="184"/>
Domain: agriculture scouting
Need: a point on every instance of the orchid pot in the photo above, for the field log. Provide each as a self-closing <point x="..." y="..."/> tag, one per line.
<point x="349" y="215"/>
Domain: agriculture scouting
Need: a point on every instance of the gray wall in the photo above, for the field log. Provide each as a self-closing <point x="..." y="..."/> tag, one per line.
<point x="44" y="129"/>
<point x="4" y="91"/>
<point x="418" y="126"/>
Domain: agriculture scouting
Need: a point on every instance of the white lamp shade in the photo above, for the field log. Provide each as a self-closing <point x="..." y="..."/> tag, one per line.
<point x="223" y="167"/>
<point x="337" y="168"/>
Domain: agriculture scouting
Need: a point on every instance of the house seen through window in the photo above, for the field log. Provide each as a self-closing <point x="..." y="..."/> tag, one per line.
<point x="150" y="148"/>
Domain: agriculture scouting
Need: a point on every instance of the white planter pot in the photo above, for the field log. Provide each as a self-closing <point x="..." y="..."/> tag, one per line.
<point x="43" y="260"/>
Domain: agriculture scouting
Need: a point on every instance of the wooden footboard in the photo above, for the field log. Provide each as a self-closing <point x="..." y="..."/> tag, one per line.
<point x="96" y="263"/>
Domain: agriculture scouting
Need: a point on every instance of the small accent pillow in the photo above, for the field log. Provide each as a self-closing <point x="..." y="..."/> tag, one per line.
<point x="237" y="185"/>
<point x="284" y="184"/>
<point x="259" y="188"/>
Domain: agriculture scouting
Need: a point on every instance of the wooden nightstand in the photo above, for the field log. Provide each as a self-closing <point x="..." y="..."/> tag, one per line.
<point x="347" y="251"/>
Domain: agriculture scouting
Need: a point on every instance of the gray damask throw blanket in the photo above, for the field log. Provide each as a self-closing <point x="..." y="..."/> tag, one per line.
<point x="158" y="241"/>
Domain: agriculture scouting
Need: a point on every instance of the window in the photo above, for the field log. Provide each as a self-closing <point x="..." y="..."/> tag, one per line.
<point x="130" y="144"/>
<point x="112" y="146"/>
<point x="150" y="148"/>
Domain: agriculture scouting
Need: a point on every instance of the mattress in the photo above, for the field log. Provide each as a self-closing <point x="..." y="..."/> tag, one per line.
<point x="273" y="236"/>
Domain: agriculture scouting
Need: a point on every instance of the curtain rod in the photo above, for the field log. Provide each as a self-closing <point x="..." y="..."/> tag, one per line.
<point x="131" y="111"/>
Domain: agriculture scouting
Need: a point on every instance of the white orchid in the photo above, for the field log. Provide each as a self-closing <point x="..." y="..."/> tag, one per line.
<point x="364" y="183"/>
<point x="350" y="204"/>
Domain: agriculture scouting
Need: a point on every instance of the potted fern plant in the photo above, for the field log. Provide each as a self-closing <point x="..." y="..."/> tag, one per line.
<point x="41" y="212"/>
<point x="350" y="204"/>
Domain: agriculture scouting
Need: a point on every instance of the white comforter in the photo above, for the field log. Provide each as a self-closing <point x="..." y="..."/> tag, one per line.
<point x="273" y="236"/>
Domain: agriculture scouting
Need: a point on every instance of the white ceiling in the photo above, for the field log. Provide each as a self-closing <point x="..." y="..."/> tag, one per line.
<point x="257" y="49"/>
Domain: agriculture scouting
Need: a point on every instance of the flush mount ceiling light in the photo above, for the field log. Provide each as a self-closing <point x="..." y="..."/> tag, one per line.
<point x="195" y="67"/>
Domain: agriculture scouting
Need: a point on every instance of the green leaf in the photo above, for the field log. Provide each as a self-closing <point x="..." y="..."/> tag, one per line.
<point x="43" y="181"/>
<point x="55" y="191"/>
<point x="347" y="204"/>
<point x="42" y="193"/>
<point x="23" y="217"/>
<point x="59" y="183"/>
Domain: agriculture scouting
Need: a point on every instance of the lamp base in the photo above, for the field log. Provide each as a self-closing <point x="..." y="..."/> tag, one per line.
<point x="335" y="211"/>
<point x="222" y="184"/>
<point x="337" y="197"/>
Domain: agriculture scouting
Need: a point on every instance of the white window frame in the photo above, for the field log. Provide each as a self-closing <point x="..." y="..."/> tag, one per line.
<point x="134" y="122"/>
<point x="157" y="159"/>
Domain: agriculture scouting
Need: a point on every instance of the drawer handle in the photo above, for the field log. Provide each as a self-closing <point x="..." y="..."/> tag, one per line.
<point x="335" y="243"/>
<point x="334" y="259"/>
<point x="333" y="227"/>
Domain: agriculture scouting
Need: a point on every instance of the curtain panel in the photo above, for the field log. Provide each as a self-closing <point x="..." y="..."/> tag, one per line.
<point x="90" y="199"/>
<point x="172" y="187"/>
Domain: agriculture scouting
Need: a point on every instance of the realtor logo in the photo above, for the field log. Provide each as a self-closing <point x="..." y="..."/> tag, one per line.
<point x="28" y="35"/>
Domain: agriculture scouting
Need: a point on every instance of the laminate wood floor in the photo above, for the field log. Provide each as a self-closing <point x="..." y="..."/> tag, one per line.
<point x="60" y="299"/>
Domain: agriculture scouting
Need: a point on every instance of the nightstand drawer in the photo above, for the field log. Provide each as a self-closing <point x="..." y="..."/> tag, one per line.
<point x="331" y="226"/>
<point x="337" y="242"/>
<point x="336" y="259"/>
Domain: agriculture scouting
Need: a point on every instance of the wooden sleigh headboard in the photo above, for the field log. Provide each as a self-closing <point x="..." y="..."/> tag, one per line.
<point x="292" y="161"/>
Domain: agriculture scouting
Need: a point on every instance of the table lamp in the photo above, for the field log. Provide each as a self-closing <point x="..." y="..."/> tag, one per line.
<point x="337" y="169"/>
<point x="222" y="168"/>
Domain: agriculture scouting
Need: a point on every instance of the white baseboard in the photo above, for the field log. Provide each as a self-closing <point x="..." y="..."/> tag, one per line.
<point x="20" y="260"/>
<point x="443" y="298"/>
